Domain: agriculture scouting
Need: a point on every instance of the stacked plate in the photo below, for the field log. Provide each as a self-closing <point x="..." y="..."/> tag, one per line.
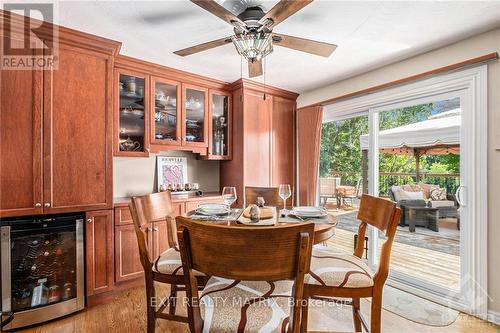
<point x="309" y="211"/>
<point x="213" y="209"/>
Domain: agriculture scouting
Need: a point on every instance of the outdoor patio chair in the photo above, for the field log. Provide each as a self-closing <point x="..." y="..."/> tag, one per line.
<point x="328" y="189"/>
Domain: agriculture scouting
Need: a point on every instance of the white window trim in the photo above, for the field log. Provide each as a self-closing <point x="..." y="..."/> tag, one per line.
<point x="473" y="83"/>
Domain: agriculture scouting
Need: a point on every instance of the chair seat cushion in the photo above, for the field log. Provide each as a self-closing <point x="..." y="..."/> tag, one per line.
<point x="245" y="306"/>
<point x="338" y="269"/>
<point x="169" y="262"/>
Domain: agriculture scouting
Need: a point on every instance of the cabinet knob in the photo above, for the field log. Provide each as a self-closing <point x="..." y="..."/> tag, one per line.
<point x="46" y="205"/>
<point x="38" y="205"/>
<point x="179" y="138"/>
<point x="89" y="220"/>
<point x="155" y="229"/>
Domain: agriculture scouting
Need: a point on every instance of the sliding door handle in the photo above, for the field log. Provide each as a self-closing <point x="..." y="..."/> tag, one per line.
<point x="460" y="195"/>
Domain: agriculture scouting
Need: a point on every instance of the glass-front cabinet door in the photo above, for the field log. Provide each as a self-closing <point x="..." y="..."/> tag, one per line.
<point x="132" y="115"/>
<point x="195" y="115"/>
<point x="220" y="125"/>
<point x="167" y="112"/>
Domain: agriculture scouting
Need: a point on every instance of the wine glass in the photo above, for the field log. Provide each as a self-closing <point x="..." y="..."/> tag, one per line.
<point x="229" y="195"/>
<point x="285" y="193"/>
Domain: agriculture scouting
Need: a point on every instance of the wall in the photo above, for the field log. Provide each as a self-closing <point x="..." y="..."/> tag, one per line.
<point x="469" y="48"/>
<point x="137" y="175"/>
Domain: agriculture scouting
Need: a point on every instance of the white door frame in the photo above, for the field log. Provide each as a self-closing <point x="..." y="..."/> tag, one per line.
<point x="471" y="85"/>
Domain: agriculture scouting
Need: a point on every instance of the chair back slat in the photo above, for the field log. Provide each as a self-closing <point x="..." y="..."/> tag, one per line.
<point x="376" y="212"/>
<point x="246" y="253"/>
<point x="145" y="210"/>
<point x="270" y="195"/>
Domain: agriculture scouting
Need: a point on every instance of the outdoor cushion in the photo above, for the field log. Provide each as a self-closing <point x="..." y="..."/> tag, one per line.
<point x="169" y="262"/>
<point x="427" y="188"/>
<point x="400" y="194"/>
<point x="245" y="306"/>
<point x="334" y="268"/>
<point x="438" y="194"/>
<point x="442" y="203"/>
<point x="412" y="188"/>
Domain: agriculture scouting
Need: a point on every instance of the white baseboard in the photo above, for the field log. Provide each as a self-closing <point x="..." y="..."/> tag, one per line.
<point x="494" y="317"/>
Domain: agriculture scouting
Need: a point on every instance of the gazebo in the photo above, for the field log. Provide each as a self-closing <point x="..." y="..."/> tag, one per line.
<point x="438" y="135"/>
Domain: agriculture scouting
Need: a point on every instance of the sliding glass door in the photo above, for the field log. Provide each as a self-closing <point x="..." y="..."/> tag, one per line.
<point x="416" y="161"/>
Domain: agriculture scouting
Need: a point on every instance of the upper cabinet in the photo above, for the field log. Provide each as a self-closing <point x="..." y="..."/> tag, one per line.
<point x="166" y="113"/>
<point x="56" y="129"/>
<point x="220" y="121"/>
<point x="165" y="109"/>
<point x="195" y="116"/>
<point x="132" y="119"/>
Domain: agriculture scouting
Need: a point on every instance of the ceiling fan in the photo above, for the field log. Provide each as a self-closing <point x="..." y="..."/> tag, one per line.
<point x="253" y="33"/>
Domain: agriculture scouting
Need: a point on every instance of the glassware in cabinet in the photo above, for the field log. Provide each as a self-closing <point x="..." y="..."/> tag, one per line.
<point x="132" y="124"/>
<point x="166" y="113"/>
<point x="220" y="105"/>
<point x="195" y="116"/>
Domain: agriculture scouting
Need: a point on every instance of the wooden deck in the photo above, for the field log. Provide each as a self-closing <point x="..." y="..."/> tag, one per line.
<point x="432" y="266"/>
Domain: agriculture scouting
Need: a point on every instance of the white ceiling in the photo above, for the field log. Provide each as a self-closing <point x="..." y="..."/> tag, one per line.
<point x="369" y="34"/>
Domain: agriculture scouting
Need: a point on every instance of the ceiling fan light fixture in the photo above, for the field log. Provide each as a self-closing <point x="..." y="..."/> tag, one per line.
<point x="253" y="46"/>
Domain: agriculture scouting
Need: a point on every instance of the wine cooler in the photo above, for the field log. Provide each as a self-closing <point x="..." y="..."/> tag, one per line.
<point x="42" y="267"/>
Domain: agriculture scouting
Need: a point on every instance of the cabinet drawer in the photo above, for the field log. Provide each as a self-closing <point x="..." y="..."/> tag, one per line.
<point x="192" y="205"/>
<point x="123" y="216"/>
<point x="179" y="209"/>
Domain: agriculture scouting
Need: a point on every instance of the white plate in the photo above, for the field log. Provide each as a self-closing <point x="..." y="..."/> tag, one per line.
<point x="309" y="211"/>
<point x="213" y="209"/>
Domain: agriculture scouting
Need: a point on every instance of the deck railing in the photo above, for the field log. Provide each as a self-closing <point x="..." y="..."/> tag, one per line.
<point x="450" y="181"/>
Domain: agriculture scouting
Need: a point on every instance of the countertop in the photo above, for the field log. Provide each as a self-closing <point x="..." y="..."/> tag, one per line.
<point x="124" y="201"/>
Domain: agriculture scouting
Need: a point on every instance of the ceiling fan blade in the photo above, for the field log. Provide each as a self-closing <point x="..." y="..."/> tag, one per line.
<point x="254" y="68"/>
<point x="283" y="10"/>
<point x="213" y="7"/>
<point x="203" y="47"/>
<point x="304" y="45"/>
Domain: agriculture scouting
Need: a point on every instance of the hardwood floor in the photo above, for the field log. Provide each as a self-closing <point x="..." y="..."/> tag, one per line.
<point x="127" y="313"/>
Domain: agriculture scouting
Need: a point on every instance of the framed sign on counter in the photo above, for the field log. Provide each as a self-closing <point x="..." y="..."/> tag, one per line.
<point x="171" y="170"/>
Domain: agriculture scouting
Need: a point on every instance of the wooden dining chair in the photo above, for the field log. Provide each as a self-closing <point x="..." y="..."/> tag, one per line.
<point x="337" y="274"/>
<point x="255" y="272"/>
<point x="166" y="268"/>
<point x="270" y="194"/>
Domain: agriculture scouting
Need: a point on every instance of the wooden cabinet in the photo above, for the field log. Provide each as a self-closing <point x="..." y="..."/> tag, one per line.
<point x="127" y="260"/>
<point x="126" y="251"/>
<point x="99" y="251"/>
<point x="283" y="141"/>
<point x="132" y="116"/>
<point x="257" y="120"/>
<point x="20" y="141"/>
<point x="220" y="120"/>
<point x="166" y="112"/>
<point x="178" y="113"/>
<point x="263" y="134"/>
<point x="55" y="130"/>
<point x="77" y="132"/>
<point x="194" y="116"/>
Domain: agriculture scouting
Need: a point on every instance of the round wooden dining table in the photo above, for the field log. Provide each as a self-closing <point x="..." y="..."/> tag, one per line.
<point x="324" y="228"/>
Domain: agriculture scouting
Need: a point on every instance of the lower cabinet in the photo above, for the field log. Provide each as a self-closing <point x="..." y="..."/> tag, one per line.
<point x="99" y="251"/>
<point x="127" y="260"/>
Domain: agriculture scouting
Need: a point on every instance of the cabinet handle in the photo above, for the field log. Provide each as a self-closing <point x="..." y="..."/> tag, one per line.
<point x="38" y="205"/>
<point x="155" y="229"/>
<point x="46" y="205"/>
<point x="90" y="220"/>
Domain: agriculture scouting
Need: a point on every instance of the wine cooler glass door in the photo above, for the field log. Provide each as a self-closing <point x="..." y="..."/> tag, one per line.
<point x="43" y="267"/>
